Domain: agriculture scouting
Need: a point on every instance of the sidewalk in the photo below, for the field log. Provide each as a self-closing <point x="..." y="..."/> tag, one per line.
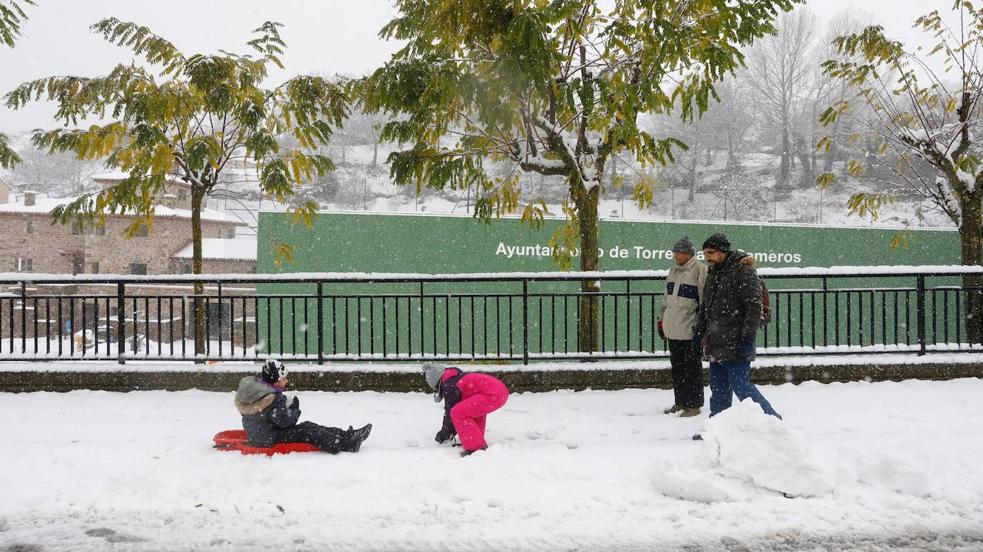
<point x="20" y="376"/>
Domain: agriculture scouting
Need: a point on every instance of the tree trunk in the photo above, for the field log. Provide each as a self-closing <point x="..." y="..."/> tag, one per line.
<point x="731" y="158"/>
<point x="586" y="202"/>
<point x="375" y="154"/>
<point x="692" y="178"/>
<point x="785" y="166"/>
<point x="197" y="198"/>
<point x="971" y="238"/>
<point x="808" y="174"/>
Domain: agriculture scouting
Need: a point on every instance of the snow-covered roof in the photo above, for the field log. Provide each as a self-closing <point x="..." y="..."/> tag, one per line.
<point x="117" y="176"/>
<point x="44" y="205"/>
<point x="216" y="248"/>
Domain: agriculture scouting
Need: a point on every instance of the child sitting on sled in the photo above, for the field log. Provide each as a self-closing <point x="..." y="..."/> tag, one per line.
<point x="269" y="417"/>
<point x="468" y="399"/>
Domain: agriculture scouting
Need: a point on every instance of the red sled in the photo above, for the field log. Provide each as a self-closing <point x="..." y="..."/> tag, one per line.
<point x="235" y="439"/>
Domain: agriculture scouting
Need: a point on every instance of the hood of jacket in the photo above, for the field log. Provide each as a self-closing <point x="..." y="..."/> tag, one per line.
<point x="253" y="396"/>
<point x="733" y="259"/>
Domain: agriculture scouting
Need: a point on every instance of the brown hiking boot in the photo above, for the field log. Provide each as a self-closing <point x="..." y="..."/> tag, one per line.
<point x="690" y="412"/>
<point x="675" y="408"/>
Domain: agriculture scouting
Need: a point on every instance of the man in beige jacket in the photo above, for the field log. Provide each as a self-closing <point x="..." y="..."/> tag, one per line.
<point x="677" y="316"/>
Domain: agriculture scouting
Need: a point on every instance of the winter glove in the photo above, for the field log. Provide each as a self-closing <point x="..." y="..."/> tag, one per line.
<point x="746" y="348"/>
<point x="662" y="332"/>
<point x="697" y="341"/>
<point x="295" y="403"/>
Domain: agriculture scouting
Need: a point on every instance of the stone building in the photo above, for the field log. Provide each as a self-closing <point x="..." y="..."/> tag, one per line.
<point x="66" y="315"/>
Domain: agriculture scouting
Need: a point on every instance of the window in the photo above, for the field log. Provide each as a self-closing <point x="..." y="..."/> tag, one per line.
<point x="99" y="230"/>
<point x="23" y="265"/>
<point x="30" y="226"/>
<point x="138" y="268"/>
<point x="93" y="267"/>
<point x="76" y="228"/>
<point x="78" y="264"/>
<point x="227" y="233"/>
<point x="141" y="232"/>
<point x="186" y="268"/>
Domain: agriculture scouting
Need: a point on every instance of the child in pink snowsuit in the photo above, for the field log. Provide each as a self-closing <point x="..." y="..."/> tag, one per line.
<point x="468" y="399"/>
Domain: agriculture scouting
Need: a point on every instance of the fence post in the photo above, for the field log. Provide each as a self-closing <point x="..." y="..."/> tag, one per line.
<point x="121" y="323"/>
<point x="525" y="321"/>
<point x="423" y="327"/>
<point x="921" y="314"/>
<point x="320" y="324"/>
<point x="220" y="316"/>
<point x="23" y="318"/>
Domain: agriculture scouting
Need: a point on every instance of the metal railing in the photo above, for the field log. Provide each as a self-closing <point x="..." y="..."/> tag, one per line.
<point x="511" y="317"/>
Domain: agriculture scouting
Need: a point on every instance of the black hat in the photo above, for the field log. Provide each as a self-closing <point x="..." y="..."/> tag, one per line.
<point x="273" y="371"/>
<point x="717" y="241"/>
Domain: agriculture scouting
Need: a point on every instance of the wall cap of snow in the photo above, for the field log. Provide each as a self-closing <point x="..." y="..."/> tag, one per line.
<point x="340" y="277"/>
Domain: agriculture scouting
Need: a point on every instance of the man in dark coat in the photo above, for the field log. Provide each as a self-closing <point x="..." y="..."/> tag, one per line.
<point x="728" y="324"/>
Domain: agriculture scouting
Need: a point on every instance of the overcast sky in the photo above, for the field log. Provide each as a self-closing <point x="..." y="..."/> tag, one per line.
<point x="323" y="36"/>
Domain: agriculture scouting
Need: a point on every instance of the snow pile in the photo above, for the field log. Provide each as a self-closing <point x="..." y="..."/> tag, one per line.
<point x="745" y="443"/>
<point x="746" y="452"/>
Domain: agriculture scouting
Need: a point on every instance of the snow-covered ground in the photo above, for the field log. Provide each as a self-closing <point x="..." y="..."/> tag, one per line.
<point x="869" y="466"/>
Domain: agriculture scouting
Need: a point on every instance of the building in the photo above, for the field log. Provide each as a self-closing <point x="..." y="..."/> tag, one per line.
<point x="32" y="243"/>
<point x="84" y="315"/>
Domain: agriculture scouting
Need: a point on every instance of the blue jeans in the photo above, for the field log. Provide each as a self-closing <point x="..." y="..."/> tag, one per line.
<point x="734" y="377"/>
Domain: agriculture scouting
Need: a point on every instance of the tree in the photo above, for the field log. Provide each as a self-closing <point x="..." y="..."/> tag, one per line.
<point x="556" y="88"/>
<point x="58" y="174"/>
<point x="192" y="117"/>
<point x="922" y="117"/>
<point x="11" y="18"/>
<point x="359" y="129"/>
<point x="778" y="70"/>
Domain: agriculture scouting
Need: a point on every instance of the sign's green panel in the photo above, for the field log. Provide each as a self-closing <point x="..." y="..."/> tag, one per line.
<point x="402" y="317"/>
<point x="345" y="242"/>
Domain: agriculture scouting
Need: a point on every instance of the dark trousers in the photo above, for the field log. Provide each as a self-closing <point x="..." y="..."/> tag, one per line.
<point x="687" y="373"/>
<point x="328" y="439"/>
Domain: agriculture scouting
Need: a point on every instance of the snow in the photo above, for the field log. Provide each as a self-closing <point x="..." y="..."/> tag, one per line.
<point x="745" y="444"/>
<point x="896" y="270"/>
<point x="44" y="205"/>
<point x="966" y="178"/>
<point x="874" y="466"/>
<point x="218" y="248"/>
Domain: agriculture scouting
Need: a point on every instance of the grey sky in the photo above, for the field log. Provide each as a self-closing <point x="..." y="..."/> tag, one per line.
<point x="323" y="36"/>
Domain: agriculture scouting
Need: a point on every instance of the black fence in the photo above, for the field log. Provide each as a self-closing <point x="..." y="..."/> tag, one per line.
<point x="493" y="317"/>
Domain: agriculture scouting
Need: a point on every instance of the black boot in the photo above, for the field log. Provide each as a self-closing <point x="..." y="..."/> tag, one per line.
<point x="354" y="437"/>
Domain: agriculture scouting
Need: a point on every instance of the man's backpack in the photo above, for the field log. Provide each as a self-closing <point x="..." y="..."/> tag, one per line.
<point x="765" y="305"/>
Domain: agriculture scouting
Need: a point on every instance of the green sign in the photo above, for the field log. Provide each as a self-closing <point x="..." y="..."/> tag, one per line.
<point x="344" y="242"/>
<point x="380" y="319"/>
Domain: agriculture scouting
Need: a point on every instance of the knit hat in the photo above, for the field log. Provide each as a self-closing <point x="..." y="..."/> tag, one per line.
<point x="273" y="371"/>
<point x="684" y="245"/>
<point x="433" y="371"/>
<point x="717" y="241"/>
